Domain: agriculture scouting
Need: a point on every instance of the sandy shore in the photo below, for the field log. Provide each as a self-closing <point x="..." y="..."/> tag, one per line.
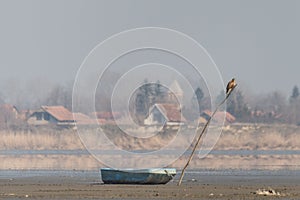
<point x="196" y="185"/>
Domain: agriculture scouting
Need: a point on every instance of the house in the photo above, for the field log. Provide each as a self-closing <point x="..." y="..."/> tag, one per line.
<point x="218" y="117"/>
<point x="160" y="114"/>
<point x="57" y="115"/>
<point x="24" y="114"/>
<point x="9" y="115"/>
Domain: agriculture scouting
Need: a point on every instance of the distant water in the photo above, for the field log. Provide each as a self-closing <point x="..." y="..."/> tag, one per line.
<point x="168" y="152"/>
<point x="52" y="173"/>
<point x="248" y="172"/>
<point x="240" y="177"/>
<point x="194" y="173"/>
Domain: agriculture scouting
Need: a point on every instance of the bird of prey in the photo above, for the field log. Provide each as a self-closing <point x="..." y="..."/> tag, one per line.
<point x="231" y="84"/>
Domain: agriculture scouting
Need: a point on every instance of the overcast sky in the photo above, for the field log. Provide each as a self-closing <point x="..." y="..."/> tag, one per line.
<point x="255" y="41"/>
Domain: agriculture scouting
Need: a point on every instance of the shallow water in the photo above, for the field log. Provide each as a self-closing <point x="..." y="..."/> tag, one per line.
<point x="216" y="159"/>
<point x="190" y="175"/>
<point x="168" y="152"/>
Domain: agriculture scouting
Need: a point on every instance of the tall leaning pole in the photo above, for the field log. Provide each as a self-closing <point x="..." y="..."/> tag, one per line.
<point x="202" y="132"/>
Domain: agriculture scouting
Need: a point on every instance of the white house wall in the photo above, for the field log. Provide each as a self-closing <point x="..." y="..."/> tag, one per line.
<point x="155" y="117"/>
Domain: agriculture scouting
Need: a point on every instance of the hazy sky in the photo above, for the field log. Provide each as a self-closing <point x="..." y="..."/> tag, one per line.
<point x="255" y="41"/>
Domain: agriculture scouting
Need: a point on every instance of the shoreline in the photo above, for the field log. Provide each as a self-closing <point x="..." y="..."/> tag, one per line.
<point x="88" y="162"/>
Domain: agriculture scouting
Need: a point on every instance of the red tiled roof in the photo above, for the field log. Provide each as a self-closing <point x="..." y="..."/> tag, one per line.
<point x="104" y="121"/>
<point x="59" y="112"/>
<point x="219" y="116"/>
<point x="83" y="119"/>
<point x="171" y="111"/>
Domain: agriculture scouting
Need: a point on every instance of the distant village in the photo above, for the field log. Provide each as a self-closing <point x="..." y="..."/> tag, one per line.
<point x="152" y="106"/>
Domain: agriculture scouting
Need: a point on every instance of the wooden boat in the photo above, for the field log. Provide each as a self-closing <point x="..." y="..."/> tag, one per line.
<point x="137" y="176"/>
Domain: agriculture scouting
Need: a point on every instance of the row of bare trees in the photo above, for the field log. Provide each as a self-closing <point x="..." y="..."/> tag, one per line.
<point x="272" y="107"/>
<point x="33" y="94"/>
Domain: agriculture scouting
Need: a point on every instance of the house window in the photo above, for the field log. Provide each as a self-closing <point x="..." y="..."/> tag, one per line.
<point x="46" y="116"/>
<point x="39" y="116"/>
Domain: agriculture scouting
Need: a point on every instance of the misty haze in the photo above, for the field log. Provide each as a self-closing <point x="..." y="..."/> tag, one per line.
<point x="63" y="115"/>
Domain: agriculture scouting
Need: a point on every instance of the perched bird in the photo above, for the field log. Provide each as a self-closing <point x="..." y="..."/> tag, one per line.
<point x="231" y="84"/>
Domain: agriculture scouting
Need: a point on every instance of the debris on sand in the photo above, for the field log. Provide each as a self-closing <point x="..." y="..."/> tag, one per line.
<point x="267" y="192"/>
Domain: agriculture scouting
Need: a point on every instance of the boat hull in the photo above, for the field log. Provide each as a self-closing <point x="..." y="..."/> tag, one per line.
<point x="141" y="176"/>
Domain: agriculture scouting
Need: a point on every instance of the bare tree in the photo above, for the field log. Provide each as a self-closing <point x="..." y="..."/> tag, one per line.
<point x="237" y="106"/>
<point x="295" y="94"/>
<point x="60" y="95"/>
<point x="293" y="114"/>
<point x="270" y="108"/>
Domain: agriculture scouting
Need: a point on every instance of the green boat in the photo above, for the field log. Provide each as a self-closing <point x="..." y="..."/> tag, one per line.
<point x="137" y="176"/>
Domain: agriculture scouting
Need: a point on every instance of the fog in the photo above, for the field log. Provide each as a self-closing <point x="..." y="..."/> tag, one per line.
<point x="43" y="43"/>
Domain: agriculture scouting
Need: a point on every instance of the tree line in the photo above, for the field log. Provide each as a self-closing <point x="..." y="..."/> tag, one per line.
<point x="273" y="107"/>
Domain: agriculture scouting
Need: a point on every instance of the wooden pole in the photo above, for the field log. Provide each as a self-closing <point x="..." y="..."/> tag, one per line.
<point x="202" y="132"/>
